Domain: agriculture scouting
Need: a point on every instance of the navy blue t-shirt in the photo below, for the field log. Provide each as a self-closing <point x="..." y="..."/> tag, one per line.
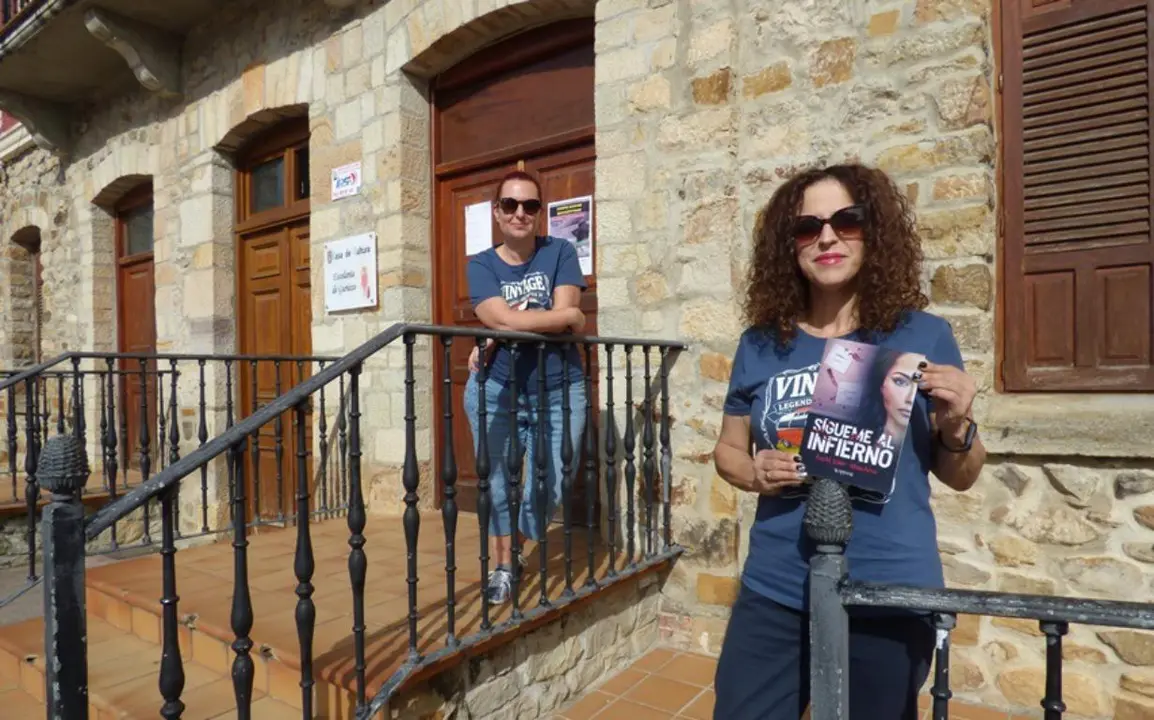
<point x="530" y="287"/>
<point x="894" y="540"/>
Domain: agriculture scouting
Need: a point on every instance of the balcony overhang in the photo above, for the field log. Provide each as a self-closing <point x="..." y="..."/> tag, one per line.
<point x="55" y="54"/>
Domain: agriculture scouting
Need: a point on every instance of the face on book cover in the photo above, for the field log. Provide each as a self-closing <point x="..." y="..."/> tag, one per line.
<point x="830" y="262"/>
<point x="897" y="392"/>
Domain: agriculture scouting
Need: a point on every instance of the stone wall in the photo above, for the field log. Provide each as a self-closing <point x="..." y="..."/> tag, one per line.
<point x="549" y="667"/>
<point x="703" y="109"/>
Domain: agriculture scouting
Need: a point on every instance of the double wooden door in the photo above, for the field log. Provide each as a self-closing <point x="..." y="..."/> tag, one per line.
<point x="526" y="104"/>
<point x="276" y="320"/>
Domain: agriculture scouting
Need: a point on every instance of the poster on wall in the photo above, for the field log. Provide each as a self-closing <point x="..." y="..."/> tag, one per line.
<point x="478" y="228"/>
<point x="572" y="220"/>
<point x="346" y="180"/>
<point x="351" y="273"/>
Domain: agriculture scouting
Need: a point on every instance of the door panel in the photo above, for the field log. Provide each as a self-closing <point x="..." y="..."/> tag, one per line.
<point x="276" y="320"/>
<point x="481" y="131"/>
<point x="137" y="322"/>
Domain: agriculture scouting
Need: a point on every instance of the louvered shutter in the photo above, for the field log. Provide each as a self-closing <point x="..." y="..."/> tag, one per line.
<point x="1077" y="195"/>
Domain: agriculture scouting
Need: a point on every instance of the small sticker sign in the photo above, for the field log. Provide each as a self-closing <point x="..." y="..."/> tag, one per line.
<point x="347" y="180"/>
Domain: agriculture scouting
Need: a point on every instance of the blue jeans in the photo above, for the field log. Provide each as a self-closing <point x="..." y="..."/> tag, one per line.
<point x="498" y="438"/>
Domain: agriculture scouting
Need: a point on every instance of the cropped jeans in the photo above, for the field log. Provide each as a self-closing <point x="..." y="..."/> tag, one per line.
<point x="499" y="433"/>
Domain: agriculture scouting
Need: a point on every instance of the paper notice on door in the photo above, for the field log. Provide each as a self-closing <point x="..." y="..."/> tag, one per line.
<point x="572" y="219"/>
<point x="478" y="228"/>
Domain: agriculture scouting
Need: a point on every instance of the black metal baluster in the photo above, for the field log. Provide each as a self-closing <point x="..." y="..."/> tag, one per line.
<point x="358" y="564"/>
<point x="171" y="664"/>
<point x="484" y="502"/>
<point x="342" y="465"/>
<point x="323" y="428"/>
<point x="610" y="461"/>
<point x="13" y="448"/>
<point x="174" y="438"/>
<point x="59" y="403"/>
<point x="630" y="466"/>
<point x="541" y="461"/>
<point x="1052" y="703"/>
<point x="567" y="469"/>
<point x="300" y="377"/>
<point x="666" y="452"/>
<point x="255" y="451"/>
<point x="145" y="457"/>
<point x="513" y="490"/>
<point x="202" y="437"/>
<point x="241" y="616"/>
<point x="943" y="624"/>
<point x="82" y="414"/>
<point x="449" y="488"/>
<point x="279" y="450"/>
<point x="126" y="441"/>
<point x="31" y="455"/>
<point x="100" y="384"/>
<point x="410" y="477"/>
<point x="648" y="465"/>
<point x="161" y="421"/>
<point x="112" y="442"/>
<point x="590" y="469"/>
<point x="228" y="421"/>
<point x="77" y="403"/>
<point x="303" y="566"/>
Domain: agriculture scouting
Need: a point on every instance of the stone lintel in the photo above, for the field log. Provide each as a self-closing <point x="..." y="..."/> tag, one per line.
<point x="46" y="121"/>
<point x="152" y="54"/>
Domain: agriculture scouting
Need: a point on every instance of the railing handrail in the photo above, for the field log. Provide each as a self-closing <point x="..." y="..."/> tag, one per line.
<point x="1084" y="611"/>
<point x="47" y="365"/>
<point x="103" y="518"/>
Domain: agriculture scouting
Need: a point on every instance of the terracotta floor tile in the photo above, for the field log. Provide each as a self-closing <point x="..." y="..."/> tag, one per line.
<point x="662" y="693"/>
<point x="626" y="710"/>
<point x="700" y="708"/>
<point x="587" y="706"/>
<point x="654" y="660"/>
<point x="690" y="668"/>
<point x="620" y="683"/>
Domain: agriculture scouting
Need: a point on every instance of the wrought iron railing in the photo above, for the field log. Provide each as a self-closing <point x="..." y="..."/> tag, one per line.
<point x="829" y="524"/>
<point x="13" y="11"/>
<point x="647" y="542"/>
<point x="138" y="413"/>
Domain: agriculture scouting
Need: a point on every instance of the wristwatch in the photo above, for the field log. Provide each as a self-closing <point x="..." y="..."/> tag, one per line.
<point x="968" y="443"/>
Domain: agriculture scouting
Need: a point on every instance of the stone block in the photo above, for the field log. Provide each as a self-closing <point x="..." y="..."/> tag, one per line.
<point x="884" y="23"/>
<point x="1083" y="694"/>
<point x="770" y="79"/>
<point x="711" y="41"/>
<point x="653" y="93"/>
<point x="971" y="285"/>
<point x="717" y="589"/>
<point x="712" y="89"/>
<point x="833" y="62"/>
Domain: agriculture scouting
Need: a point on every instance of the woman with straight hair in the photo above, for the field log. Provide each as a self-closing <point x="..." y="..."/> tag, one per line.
<point x="525" y="283"/>
<point x="835" y="255"/>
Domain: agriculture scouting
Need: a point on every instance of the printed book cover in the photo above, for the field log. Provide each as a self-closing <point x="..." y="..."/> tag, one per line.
<point x="856" y="425"/>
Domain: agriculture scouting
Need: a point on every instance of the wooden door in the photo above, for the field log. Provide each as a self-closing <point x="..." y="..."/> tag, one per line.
<point x="524" y="103"/>
<point x="136" y="324"/>
<point x="275" y="311"/>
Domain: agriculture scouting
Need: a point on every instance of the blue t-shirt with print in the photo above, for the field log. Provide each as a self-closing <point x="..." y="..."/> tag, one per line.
<point x="529" y="287"/>
<point x="894" y="539"/>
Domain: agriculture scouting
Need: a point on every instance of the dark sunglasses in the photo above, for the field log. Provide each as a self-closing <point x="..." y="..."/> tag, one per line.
<point x="848" y="223"/>
<point x="509" y="205"/>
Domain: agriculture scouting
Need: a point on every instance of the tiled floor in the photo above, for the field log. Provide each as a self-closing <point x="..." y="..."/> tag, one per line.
<point x="666" y="684"/>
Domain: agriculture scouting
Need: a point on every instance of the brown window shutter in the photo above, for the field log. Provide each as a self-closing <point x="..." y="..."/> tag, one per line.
<point x="1077" y="195"/>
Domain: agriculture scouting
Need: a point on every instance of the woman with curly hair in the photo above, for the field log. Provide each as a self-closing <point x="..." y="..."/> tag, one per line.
<point x="836" y="255"/>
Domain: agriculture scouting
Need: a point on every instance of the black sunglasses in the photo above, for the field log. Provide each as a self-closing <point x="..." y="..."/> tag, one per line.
<point x="848" y="223"/>
<point x="509" y="205"/>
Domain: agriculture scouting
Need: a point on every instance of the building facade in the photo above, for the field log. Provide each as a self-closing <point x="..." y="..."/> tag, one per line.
<point x="178" y="197"/>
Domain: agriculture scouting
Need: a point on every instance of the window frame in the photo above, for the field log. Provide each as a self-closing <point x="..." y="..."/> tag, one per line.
<point x="282" y="142"/>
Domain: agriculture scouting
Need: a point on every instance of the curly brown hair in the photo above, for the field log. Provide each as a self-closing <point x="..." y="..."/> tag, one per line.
<point x="888" y="283"/>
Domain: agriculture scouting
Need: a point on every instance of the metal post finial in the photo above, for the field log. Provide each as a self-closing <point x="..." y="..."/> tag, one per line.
<point x="828" y="513"/>
<point x="62" y="467"/>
